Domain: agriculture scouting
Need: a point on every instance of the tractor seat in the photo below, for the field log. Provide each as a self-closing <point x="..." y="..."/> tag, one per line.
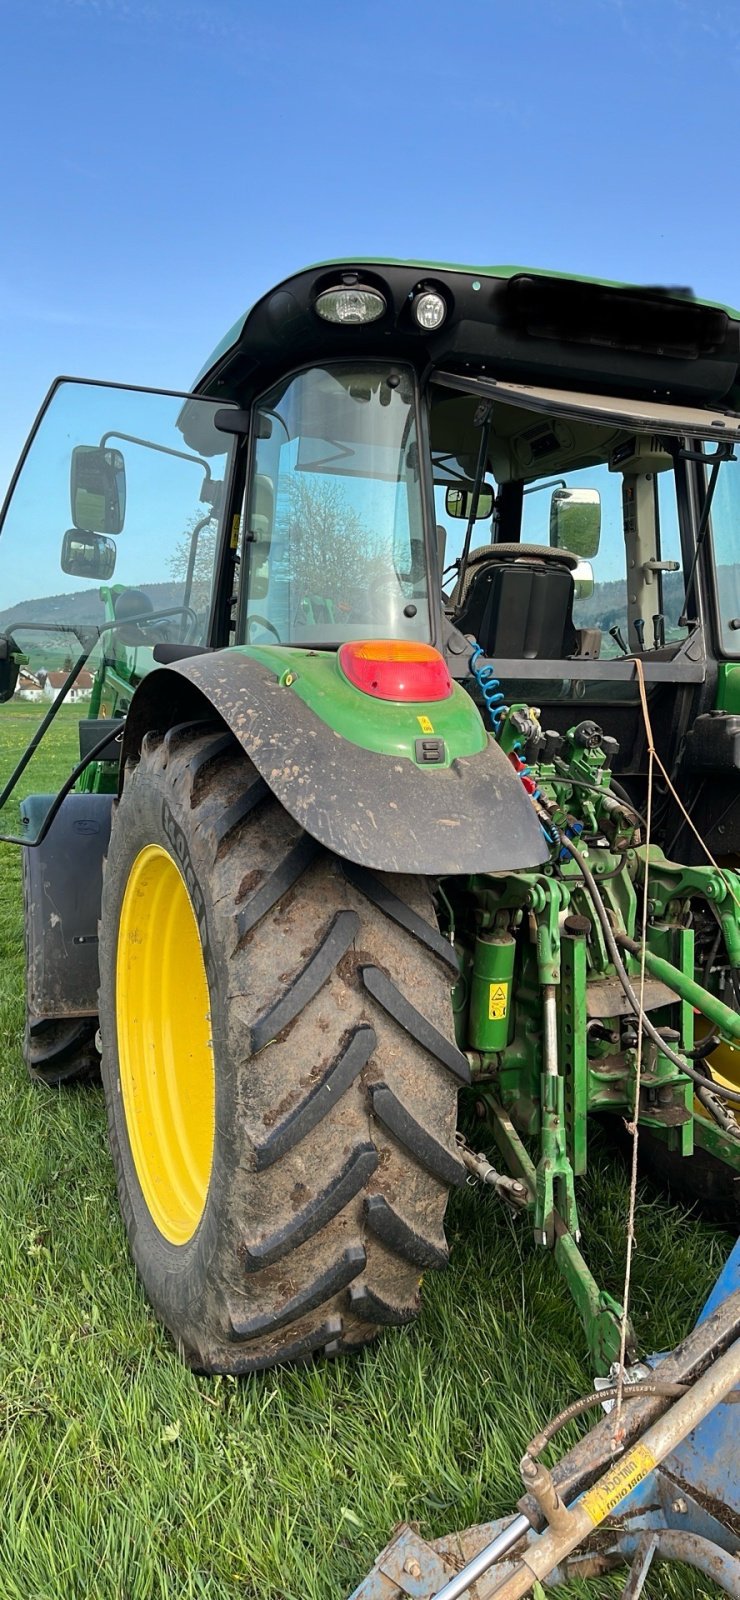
<point x="517" y="600"/>
<point x="509" y="553"/>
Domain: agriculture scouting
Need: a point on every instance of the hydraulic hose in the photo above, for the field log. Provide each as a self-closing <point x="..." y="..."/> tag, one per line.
<point x="713" y="1009"/>
<point x="624" y="802"/>
<point x="611" y="943"/>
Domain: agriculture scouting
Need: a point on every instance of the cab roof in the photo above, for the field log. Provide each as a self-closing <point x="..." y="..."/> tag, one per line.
<point x="517" y="322"/>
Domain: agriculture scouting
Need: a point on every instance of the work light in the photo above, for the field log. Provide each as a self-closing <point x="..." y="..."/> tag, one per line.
<point x="357" y="304"/>
<point x="429" y="310"/>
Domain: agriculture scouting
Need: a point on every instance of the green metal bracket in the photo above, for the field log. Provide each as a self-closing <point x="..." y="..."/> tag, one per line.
<point x="710" y="1007"/>
<point x="555" y="1192"/>
<point x="547" y="912"/>
<point x="668" y="881"/>
<point x="600" y="1314"/>
<point x="573" y="1057"/>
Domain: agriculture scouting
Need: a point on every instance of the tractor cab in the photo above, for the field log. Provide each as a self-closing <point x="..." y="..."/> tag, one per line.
<point x="366" y="713"/>
<point x="538" y="468"/>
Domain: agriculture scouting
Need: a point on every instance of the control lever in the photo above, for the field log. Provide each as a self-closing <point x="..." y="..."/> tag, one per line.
<point x="639" y="627"/>
<point x="658" y="630"/>
<point x="616" y="634"/>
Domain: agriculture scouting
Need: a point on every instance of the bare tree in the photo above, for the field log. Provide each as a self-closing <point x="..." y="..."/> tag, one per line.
<point x="197" y="546"/>
<point x="333" y="554"/>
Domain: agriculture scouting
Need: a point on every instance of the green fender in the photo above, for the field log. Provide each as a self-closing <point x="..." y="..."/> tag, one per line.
<point x="378" y="808"/>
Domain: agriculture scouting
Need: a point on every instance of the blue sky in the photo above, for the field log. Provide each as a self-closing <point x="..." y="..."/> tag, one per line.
<point x="165" y="161"/>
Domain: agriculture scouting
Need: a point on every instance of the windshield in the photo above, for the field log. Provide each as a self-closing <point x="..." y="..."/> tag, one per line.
<point x="333" y="543"/>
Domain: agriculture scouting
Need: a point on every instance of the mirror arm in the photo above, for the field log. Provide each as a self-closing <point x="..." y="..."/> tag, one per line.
<point x="87" y="637"/>
<point x="552" y="483"/>
<point x="162" y="449"/>
<point x="194" y="540"/>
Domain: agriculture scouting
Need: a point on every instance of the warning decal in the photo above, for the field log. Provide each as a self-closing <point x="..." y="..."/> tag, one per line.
<point x="425" y="725"/>
<point x="600" y="1501"/>
<point x="498" y="1001"/>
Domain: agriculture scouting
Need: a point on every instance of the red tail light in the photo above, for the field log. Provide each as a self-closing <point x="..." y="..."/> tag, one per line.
<point x="396" y="669"/>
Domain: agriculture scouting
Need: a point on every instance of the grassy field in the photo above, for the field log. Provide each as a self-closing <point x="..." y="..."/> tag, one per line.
<point x="123" y="1477"/>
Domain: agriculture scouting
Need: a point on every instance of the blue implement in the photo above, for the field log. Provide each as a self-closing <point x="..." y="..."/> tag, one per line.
<point x="686" y="1509"/>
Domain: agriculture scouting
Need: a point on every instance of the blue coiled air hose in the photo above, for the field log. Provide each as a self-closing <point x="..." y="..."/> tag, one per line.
<point x="490" y="688"/>
<point x="495" y="703"/>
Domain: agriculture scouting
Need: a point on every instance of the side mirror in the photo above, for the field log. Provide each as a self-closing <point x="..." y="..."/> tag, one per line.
<point x="583" y="578"/>
<point x="88" y="555"/>
<point x="459" y="501"/>
<point x="97" y="489"/>
<point x="575" y="521"/>
<point x="9" y="667"/>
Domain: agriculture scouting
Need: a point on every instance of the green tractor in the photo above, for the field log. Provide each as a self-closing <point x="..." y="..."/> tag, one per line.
<point x="404" y="660"/>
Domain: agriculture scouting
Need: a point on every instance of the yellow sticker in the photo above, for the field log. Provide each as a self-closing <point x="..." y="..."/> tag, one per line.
<point x="235" y="531"/>
<point x="600" y="1501"/>
<point x="498" y="1001"/>
<point x="425" y="725"/>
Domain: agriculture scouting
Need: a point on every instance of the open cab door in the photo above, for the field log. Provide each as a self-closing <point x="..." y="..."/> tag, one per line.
<point x="111" y="540"/>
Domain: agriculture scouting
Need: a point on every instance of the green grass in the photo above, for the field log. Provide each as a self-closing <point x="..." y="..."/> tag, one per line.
<point x="123" y="1477"/>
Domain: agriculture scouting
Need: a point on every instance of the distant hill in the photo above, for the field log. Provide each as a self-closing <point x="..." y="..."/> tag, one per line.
<point x="84" y="605"/>
<point x="57" y="650"/>
<point x="606" y="606"/>
<point x="608" y="603"/>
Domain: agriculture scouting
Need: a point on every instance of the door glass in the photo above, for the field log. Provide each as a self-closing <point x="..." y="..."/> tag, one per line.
<point x="726" y="546"/>
<point x="670" y="586"/>
<point x="606" y="607"/>
<point x="335" y="547"/>
<point x="108" y="547"/>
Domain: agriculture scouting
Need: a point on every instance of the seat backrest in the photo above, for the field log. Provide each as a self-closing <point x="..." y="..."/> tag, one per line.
<point x="517" y="600"/>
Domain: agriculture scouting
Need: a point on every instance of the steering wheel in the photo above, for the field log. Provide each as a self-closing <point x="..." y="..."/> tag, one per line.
<point x="261" y="622"/>
<point x="138" y="628"/>
<point x="190" y="618"/>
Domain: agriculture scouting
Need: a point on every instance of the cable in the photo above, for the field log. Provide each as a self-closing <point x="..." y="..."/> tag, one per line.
<point x="623" y="977"/>
<point x="622" y="794"/>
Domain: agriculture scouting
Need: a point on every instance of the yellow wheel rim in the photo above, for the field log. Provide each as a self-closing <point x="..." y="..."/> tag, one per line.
<point x="164" y="1044"/>
<point x="725" y="1065"/>
<point x="725" y="1060"/>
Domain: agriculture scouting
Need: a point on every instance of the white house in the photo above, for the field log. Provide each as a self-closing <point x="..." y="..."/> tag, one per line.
<point x="81" y="688"/>
<point x="28" y="686"/>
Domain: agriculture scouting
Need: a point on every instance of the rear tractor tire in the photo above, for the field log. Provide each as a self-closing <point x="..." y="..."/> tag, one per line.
<point x="278" y="1067"/>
